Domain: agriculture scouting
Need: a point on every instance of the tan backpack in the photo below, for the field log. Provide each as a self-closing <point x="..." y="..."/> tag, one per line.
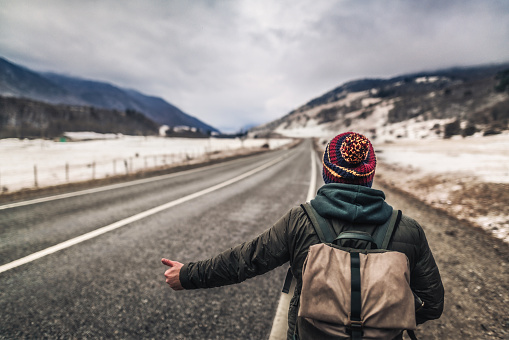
<point x="350" y="293"/>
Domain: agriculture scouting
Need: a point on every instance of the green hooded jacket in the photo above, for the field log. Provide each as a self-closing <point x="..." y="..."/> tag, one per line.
<point x="347" y="207"/>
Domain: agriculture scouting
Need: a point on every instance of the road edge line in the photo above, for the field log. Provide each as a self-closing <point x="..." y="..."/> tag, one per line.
<point x="97" y="232"/>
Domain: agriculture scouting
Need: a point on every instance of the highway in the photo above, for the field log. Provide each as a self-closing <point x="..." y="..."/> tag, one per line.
<point x="88" y="265"/>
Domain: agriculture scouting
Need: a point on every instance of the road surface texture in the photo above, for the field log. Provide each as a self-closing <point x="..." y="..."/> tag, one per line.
<point x="112" y="285"/>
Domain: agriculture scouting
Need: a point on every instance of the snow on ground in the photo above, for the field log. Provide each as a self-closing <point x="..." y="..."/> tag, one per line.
<point x="486" y="158"/>
<point x="31" y="163"/>
<point x="467" y="177"/>
<point x="312" y="129"/>
<point x="414" y="128"/>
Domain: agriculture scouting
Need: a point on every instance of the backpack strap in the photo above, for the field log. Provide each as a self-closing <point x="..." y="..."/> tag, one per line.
<point x="356" y="322"/>
<point x="411" y="334"/>
<point x="357" y="235"/>
<point x="288" y="281"/>
<point x="325" y="233"/>
<point x="382" y="237"/>
<point x="322" y="227"/>
<point x="384" y="232"/>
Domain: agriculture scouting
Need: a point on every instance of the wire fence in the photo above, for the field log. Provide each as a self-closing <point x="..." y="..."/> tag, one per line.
<point x="44" y="174"/>
<point x="35" y="164"/>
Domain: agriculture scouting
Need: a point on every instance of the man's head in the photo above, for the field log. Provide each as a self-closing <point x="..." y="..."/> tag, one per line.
<point x="349" y="158"/>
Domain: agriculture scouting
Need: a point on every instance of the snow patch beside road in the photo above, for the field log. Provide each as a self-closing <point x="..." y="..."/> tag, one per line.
<point x="467" y="177"/>
<point x="40" y="163"/>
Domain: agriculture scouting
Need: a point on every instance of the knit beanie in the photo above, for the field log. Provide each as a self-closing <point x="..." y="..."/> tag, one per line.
<point x="349" y="158"/>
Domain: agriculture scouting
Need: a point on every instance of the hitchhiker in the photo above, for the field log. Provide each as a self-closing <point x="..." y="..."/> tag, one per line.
<point x="348" y="204"/>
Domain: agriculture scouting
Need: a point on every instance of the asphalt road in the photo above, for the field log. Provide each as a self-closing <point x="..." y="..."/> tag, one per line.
<point x="112" y="285"/>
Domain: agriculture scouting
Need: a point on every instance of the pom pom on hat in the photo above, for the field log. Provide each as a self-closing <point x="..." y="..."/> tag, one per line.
<point x="349" y="158"/>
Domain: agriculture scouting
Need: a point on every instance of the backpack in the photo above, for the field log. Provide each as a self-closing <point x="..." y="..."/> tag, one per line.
<point x="352" y="293"/>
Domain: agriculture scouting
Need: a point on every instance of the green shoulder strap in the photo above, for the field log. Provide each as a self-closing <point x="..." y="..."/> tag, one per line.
<point x="322" y="227"/>
<point x="327" y="234"/>
<point x="383" y="233"/>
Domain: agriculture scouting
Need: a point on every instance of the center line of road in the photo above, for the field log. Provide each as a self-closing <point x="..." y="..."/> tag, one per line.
<point x="128" y="220"/>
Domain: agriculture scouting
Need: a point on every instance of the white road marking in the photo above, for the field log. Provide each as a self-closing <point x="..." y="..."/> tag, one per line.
<point x="106" y="188"/>
<point x="126" y="221"/>
<point x="312" y="182"/>
<point x="280" y="323"/>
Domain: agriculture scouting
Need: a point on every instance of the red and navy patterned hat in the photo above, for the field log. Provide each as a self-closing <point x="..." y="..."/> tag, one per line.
<point x="349" y="158"/>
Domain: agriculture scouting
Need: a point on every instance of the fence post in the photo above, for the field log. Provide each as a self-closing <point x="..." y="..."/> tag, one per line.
<point x="93" y="170"/>
<point x="67" y="172"/>
<point x="126" y="167"/>
<point x="36" y="184"/>
<point x="114" y="167"/>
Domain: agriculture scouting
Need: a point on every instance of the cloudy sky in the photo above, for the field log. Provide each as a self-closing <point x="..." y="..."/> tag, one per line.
<point x="239" y="62"/>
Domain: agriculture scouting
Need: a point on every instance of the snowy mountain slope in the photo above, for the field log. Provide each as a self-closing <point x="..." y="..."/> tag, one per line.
<point x="425" y="105"/>
<point x="18" y="81"/>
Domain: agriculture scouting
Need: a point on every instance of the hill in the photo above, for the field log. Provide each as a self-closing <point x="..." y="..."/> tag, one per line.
<point x="433" y="104"/>
<point x="25" y="118"/>
<point x="18" y="81"/>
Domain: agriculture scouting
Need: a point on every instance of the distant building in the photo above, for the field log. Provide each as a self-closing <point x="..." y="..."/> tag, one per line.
<point x="163" y="129"/>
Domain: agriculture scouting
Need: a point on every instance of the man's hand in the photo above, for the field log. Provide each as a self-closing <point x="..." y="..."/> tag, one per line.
<point x="173" y="274"/>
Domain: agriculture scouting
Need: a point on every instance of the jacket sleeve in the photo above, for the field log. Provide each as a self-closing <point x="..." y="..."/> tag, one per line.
<point x="427" y="283"/>
<point x="266" y="252"/>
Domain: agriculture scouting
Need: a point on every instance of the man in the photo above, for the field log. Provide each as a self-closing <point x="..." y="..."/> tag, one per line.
<point x="349" y="203"/>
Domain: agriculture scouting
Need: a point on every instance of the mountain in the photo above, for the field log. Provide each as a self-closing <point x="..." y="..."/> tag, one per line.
<point x="26" y="118"/>
<point x="18" y="81"/>
<point x="434" y="104"/>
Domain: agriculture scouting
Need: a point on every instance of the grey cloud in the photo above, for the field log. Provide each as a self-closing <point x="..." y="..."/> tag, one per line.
<point x="232" y="63"/>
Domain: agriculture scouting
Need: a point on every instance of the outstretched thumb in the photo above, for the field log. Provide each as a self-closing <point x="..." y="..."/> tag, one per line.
<point x="167" y="262"/>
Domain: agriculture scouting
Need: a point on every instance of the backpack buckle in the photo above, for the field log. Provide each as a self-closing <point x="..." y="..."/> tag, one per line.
<point x="355" y="325"/>
<point x="355" y="329"/>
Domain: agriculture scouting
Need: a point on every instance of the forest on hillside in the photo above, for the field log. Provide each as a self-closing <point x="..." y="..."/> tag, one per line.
<point x="24" y="118"/>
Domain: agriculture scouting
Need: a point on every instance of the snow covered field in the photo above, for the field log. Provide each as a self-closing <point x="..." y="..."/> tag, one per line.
<point x="486" y="158"/>
<point x="31" y="163"/>
<point x="467" y="177"/>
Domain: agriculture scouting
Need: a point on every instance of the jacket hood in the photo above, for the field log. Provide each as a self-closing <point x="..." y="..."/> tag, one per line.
<point x="353" y="203"/>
